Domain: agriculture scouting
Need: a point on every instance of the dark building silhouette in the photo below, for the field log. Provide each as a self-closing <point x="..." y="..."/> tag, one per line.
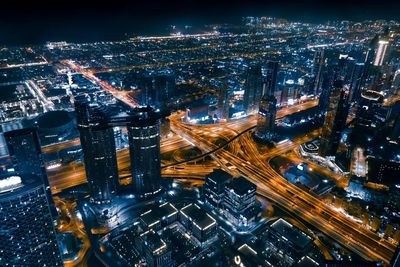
<point x="266" y="118"/>
<point x="223" y="102"/>
<point x="25" y="152"/>
<point x="335" y="120"/>
<point x="317" y="72"/>
<point x="98" y="146"/>
<point x="253" y="89"/>
<point x="267" y="108"/>
<point x="214" y="187"/>
<point x="270" y="80"/>
<point x="144" y="148"/>
<point x="26" y="156"/>
<point x="27" y="235"/>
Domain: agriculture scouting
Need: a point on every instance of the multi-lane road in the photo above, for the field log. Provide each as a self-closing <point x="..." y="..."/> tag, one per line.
<point x="242" y="157"/>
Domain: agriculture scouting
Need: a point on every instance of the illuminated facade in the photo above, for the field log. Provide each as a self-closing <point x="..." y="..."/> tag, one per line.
<point x="335" y="120"/>
<point x="98" y="146"/>
<point x="144" y="148"/>
<point x="253" y="89"/>
<point x="27" y="235"/>
<point x="381" y="52"/>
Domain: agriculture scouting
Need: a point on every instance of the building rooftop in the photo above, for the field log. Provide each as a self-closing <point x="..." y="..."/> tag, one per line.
<point x="241" y="186"/>
<point x="292" y="234"/>
<point x="153" y="242"/>
<point x="198" y="216"/>
<point x="219" y="176"/>
<point x="158" y="213"/>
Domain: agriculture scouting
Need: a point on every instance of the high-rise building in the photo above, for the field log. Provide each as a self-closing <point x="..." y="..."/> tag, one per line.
<point x="318" y="68"/>
<point x="26" y="156"/>
<point x="214" y="187"/>
<point x="165" y="85"/>
<point x="223" y="102"/>
<point x="270" y="80"/>
<point x="335" y="120"/>
<point x="144" y="148"/>
<point x="356" y="82"/>
<point x="148" y="95"/>
<point x="27" y="235"/>
<point x="240" y="202"/>
<point x="266" y="118"/>
<point x="267" y="107"/>
<point x="99" y="152"/>
<point x="253" y="89"/>
<point x="381" y="52"/>
<point x="25" y="152"/>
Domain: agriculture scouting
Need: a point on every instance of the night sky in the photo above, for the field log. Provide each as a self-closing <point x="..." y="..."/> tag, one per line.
<point x="28" y="22"/>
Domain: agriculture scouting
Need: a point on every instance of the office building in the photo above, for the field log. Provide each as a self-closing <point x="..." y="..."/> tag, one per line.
<point x="253" y="88"/>
<point x="223" y="102"/>
<point x="270" y="77"/>
<point x="27" y="235"/>
<point x="154" y="249"/>
<point x="265" y="128"/>
<point x="26" y="156"/>
<point x="214" y="187"/>
<point x="240" y="202"/>
<point x="144" y="147"/>
<point x="381" y="52"/>
<point x="317" y="71"/>
<point x="335" y="120"/>
<point x="99" y="152"/>
<point x="25" y="152"/>
<point x="198" y="222"/>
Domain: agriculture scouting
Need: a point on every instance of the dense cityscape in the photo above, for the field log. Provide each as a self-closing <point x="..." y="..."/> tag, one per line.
<point x="269" y="142"/>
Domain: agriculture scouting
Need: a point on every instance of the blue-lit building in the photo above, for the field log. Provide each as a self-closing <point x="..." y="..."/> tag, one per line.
<point x="214" y="187"/>
<point x="144" y="148"/>
<point x="240" y="202"/>
<point x="253" y="89"/>
<point x="27" y="234"/>
<point x="99" y="152"/>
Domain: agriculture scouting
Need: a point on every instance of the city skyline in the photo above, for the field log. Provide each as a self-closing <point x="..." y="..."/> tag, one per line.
<point x="238" y="140"/>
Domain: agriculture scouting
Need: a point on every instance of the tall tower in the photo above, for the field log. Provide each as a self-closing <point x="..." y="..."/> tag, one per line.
<point x="27" y="235"/>
<point x="381" y="52"/>
<point x="144" y="148"/>
<point x="318" y="71"/>
<point x="335" y="120"/>
<point x="253" y="89"/>
<point x="267" y="109"/>
<point x="26" y="156"/>
<point x="265" y="128"/>
<point x="270" y="73"/>
<point x="25" y="152"/>
<point x="99" y="152"/>
<point x="223" y="101"/>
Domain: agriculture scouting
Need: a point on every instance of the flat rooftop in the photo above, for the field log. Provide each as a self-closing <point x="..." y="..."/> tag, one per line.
<point x="241" y="186"/>
<point x="198" y="216"/>
<point x="158" y="213"/>
<point x="154" y="242"/>
<point x="292" y="234"/>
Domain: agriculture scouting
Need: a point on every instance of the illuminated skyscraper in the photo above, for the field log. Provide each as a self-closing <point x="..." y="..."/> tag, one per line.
<point x="223" y="102"/>
<point x="26" y="157"/>
<point x="267" y="107"/>
<point x="27" y="235"/>
<point x="266" y="118"/>
<point x="99" y="152"/>
<point x="381" y="52"/>
<point x="335" y="120"/>
<point x="317" y="71"/>
<point x="25" y="152"/>
<point x="253" y="89"/>
<point x="270" y="74"/>
<point x="144" y="148"/>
